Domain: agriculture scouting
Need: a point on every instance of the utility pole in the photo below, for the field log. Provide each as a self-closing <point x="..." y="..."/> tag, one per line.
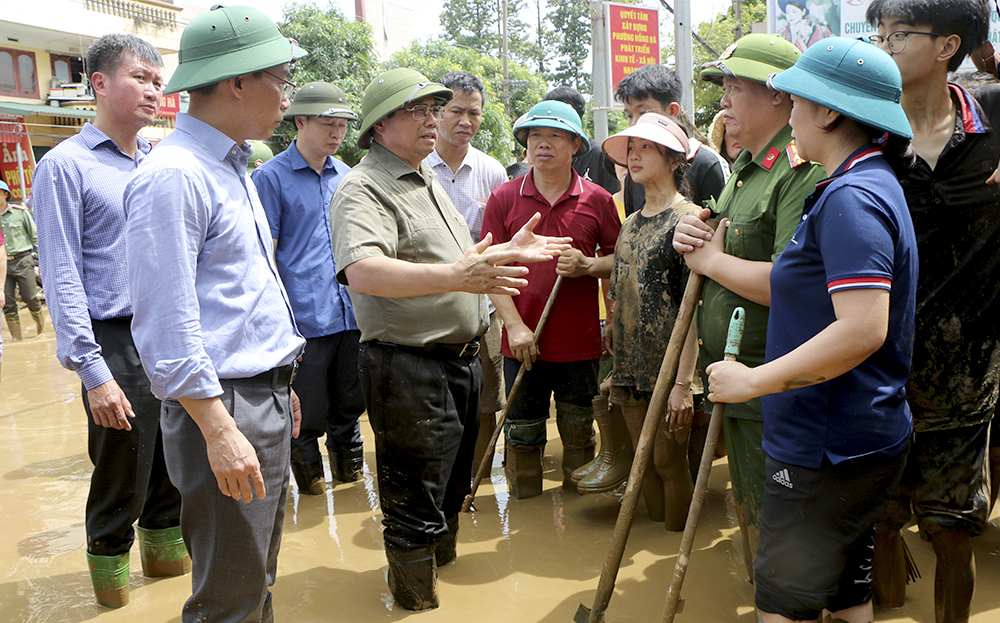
<point x="601" y="80"/>
<point x="738" y="14"/>
<point x="506" y="71"/>
<point x="683" y="57"/>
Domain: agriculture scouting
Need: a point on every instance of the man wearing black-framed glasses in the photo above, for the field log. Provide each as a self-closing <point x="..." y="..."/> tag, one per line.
<point x="953" y="384"/>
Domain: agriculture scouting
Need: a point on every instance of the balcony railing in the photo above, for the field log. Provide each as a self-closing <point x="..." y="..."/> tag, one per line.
<point x="142" y="14"/>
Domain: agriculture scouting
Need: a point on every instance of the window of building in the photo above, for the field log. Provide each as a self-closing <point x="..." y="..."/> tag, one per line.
<point x="18" y="76"/>
<point x="67" y="68"/>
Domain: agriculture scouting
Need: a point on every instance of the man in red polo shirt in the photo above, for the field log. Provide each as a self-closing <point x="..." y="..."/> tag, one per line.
<point x="564" y="361"/>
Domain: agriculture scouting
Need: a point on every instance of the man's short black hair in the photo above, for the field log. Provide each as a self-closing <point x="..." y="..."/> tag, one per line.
<point x="569" y="95"/>
<point x="654" y="81"/>
<point x="106" y="53"/>
<point x="465" y="82"/>
<point x="969" y="19"/>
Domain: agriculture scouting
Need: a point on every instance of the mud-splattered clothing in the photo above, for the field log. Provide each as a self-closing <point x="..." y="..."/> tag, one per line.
<point x="647" y="284"/>
<point x="956" y="215"/>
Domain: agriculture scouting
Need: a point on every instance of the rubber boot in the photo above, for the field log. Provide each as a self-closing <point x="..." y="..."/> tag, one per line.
<point x="39" y="319"/>
<point x="163" y="552"/>
<point x="670" y="461"/>
<point x="109" y="575"/>
<point x="309" y="477"/>
<point x="347" y="464"/>
<point x="601" y="407"/>
<point x="487" y="424"/>
<point x="14" y="326"/>
<point x="652" y="484"/>
<point x="413" y="578"/>
<point x="446" y="549"/>
<point x="267" y="612"/>
<point x="576" y="430"/>
<point x="523" y="467"/>
<point x="616" y="448"/>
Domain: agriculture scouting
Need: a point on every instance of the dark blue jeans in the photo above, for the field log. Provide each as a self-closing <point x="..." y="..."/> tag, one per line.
<point x="424" y="412"/>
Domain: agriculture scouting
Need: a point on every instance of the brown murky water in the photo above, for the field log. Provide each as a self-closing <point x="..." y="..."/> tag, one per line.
<point x="519" y="560"/>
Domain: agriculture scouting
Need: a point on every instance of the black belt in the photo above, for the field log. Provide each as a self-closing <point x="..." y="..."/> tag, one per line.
<point x="439" y="350"/>
<point x="281" y="376"/>
<point x="16" y="256"/>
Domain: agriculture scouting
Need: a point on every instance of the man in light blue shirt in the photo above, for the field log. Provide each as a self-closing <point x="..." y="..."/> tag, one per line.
<point x="77" y="199"/>
<point x="212" y="323"/>
<point x="295" y="188"/>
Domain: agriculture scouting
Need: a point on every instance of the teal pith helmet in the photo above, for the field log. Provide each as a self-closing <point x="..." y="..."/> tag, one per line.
<point x="320" y="99"/>
<point x="226" y="42"/>
<point x="551" y="114"/>
<point x="754" y="57"/>
<point x="854" y="78"/>
<point x="4" y="187"/>
<point x="390" y="91"/>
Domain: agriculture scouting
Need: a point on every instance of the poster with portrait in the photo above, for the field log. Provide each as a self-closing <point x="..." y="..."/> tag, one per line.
<point x="804" y="22"/>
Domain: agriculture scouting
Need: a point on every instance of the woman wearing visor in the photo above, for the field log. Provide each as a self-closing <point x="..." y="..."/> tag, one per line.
<point x="839" y="340"/>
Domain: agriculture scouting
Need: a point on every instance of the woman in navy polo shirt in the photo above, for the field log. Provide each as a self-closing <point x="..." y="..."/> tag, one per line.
<point x="839" y="339"/>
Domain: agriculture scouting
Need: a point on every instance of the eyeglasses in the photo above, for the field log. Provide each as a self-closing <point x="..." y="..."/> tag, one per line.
<point x="288" y="87"/>
<point x="897" y="40"/>
<point x="420" y="112"/>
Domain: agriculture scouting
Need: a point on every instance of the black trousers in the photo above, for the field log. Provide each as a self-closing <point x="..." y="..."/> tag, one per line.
<point x="424" y="412"/>
<point x="130" y="476"/>
<point x="328" y="388"/>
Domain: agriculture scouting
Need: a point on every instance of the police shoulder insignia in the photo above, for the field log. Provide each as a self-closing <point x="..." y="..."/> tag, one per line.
<point x="794" y="158"/>
<point x="770" y="158"/>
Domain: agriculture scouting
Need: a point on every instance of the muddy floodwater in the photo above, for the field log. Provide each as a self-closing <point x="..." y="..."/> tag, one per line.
<point x="518" y="560"/>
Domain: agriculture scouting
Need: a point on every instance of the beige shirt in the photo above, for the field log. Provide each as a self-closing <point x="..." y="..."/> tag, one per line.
<point x="383" y="207"/>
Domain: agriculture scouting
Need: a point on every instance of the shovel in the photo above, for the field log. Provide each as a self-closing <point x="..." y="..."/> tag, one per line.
<point x="488" y="457"/>
<point x="733" y="340"/>
<point x="644" y="452"/>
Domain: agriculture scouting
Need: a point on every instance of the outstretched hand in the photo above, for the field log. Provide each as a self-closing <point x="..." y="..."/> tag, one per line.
<point x="531" y="247"/>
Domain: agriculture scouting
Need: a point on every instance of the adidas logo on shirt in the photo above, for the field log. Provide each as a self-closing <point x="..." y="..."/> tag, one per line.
<point x="783" y="478"/>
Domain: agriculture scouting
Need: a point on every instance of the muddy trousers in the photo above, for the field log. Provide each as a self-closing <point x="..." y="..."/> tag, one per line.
<point x="424" y="411"/>
<point x="327" y="386"/>
<point x="572" y="383"/>
<point x="233" y="545"/>
<point x="130" y="476"/>
<point x="21" y="277"/>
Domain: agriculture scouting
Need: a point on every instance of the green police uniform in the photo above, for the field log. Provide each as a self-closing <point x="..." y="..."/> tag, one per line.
<point x="763" y="201"/>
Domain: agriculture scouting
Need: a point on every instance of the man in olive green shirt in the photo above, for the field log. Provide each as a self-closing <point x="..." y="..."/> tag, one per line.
<point x="417" y="282"/>
<point x="763" y="201"/>
<point x="22" y="247"/>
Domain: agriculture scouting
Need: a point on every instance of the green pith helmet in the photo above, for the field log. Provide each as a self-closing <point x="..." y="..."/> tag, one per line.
<point x="226" y="42"/>
<point x="854" y="78"/>
<point x="320" y="99"/>
<point x="391" y="91"/>
<point x="551" y="114"/>
<point x="753" y="57"/>
<point x="258" y="151"/>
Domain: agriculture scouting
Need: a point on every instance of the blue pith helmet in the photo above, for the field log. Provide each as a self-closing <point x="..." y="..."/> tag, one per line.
<point x="552" y="114"/>
<point x="5" y="187"/>
<point x="854" y="78"/>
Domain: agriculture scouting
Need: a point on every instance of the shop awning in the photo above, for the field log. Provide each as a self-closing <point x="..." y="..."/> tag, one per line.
<point x="14" y="108"/>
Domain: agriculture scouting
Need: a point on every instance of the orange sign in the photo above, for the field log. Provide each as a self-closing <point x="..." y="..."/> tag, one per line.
<point x="634" y="39"/>
<point x="12" y="135"/>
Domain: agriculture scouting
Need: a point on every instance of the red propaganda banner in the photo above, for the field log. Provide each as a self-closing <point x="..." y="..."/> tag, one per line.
<point x="171" y="105"/>
<point x="634" y="39"/>
<point x="14" y="139"/>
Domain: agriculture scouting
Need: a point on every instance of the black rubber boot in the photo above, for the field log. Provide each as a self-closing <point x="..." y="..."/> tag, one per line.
<point x="267" y="613"/>
<point x="413" y="578"/>
<point x="446" y="551"/>
<point x="347" y="464"/>
<point x="576" y="429"/>
<point x="309" y="477"/>
<point x="523" y="467"/>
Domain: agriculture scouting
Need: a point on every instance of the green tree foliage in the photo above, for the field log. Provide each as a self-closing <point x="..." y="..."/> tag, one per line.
<point x="341" y="52"/>
<point x="571" y="36"/>
<point x="478" y="24"/>
<point x="437" y="57"/>
<point x="718" y="33"/>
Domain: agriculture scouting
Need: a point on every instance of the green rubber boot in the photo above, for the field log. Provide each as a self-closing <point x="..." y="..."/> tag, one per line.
<point x="163" y="553"/>
<point x="109" y="575"/>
